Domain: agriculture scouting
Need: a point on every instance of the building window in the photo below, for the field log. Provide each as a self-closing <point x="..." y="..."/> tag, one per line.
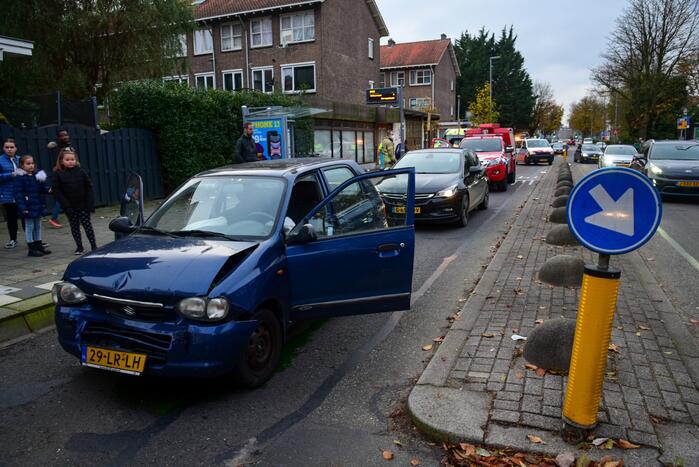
<point x="398" y="78"/>
<point x="182" y="79"/>
<point x="233" y="80"/>
<point x="205" y="81"/>
<point x="231" y="37"/>
<point x="297" y="27"/>
<point x="420" y="77"/>
<point x="322" y="143"/>
<point x="419" y="103"/>
<point x="261" y="32"/>
<point x="182" y="50"/>
<point x="203" y="41"/>
<point x="263" y="79"/>
<point x="369" y="147"/>
<point x="371" y="48"/>
<point x="299" y="77"/>
<point x="382" y="82"/>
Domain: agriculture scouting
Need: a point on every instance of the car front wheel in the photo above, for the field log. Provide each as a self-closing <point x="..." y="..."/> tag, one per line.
<point x="512" y="177"/>
<point x="259" y="358"/>
<point x="462" y="220"/>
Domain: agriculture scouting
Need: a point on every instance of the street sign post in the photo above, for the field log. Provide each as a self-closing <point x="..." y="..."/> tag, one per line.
<point x="611" y="211"/>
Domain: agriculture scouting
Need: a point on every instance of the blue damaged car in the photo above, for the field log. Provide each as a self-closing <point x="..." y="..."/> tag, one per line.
<point x="211" y="281"/>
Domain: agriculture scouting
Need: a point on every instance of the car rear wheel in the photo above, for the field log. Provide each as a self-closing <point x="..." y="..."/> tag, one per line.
<point x="259" y="358"/>
<point x="502" y="186"/>
<point x="550" y="161"/>
<point x="486" y="201"/>
<point x="462" y="221"/>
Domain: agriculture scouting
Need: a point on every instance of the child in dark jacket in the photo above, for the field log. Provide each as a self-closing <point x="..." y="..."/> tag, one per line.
<point x="73" y="189"/>
<point x="30" y="188"/>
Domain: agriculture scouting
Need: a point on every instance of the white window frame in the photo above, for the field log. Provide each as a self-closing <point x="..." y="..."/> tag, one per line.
<point x="181" y="79"/>
<point x="295" y="65"/>
<point x="205" y="75"/>
<point x="238" y="71"/>
<point x="371" y="48"/>
<point x="252" y="78"/>
<point x="414" y="102"/>
<point x="426" y="72"/>
<point x="395" y="80"/>
<point x="283" y="39"/>
<point x="194" y="41"/>
<point x="263" y="20"/>
<point x="230" y="27"/>
<point x="382" y="82"/>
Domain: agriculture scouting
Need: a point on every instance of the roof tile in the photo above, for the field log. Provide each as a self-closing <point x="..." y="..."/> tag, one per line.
<point x="413" y="53"/>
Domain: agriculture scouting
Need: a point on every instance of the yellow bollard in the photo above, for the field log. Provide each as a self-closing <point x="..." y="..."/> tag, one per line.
<point x="593" y="330"/>
<point x="565" y="153"/>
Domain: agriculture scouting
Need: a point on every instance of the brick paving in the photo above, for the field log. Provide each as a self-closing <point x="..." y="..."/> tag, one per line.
<point x="646" y="383"/>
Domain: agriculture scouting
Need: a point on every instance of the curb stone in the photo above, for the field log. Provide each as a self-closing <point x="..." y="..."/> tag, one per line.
<point x="25" y="317"/>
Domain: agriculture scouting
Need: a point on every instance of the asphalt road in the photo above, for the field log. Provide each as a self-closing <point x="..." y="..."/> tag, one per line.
<point x="338" y="398"/>
<point x="673" y="255"/>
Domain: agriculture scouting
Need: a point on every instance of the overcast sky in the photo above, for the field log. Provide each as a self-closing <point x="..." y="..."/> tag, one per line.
<point x="561" y="40"/>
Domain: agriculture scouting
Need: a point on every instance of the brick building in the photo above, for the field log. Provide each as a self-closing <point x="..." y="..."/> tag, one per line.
<point x="427" y="71"/>
<point x="326" y="50"/>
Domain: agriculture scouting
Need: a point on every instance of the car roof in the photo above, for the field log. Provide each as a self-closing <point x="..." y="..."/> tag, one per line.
<point x="280" y="167"/>
<point x="431" y="150"/>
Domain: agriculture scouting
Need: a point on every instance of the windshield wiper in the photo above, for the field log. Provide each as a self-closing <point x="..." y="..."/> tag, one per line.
<point x="205" y="233"/>
<point x="148" y="228"/>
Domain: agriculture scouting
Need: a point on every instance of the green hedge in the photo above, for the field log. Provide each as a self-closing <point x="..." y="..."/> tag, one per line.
<point x="197" y="129"/>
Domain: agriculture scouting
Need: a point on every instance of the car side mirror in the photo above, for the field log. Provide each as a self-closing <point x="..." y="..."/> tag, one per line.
<point x="305" y="234"/>
<point x="509" y="149"/>
<point x="640" y="160"/>
<point x="121" y="225"/>
<point x="475" y="170"/>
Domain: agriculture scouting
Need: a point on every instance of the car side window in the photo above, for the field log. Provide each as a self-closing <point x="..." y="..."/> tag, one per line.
<point x="357" y="208"/>
<point x="305" y="195"/>
<point x="336" y="176"/>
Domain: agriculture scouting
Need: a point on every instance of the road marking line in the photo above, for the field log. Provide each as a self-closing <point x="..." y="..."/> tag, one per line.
<point x="690" y="259"/>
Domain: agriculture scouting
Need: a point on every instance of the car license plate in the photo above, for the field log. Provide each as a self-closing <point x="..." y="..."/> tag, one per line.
<point x="688" y="183"/>
<point x="401" y="210"/>
<point x="113" y="360"/>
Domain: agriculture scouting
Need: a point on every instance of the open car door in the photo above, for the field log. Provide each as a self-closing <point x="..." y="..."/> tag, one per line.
<point x="132" y="202"/>
<point x="347" y="256"/>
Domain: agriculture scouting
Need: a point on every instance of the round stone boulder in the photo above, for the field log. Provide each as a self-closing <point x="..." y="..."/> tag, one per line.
<point x="563" y="271"/>
<point x="550" y="344"/>
<point x="564" y="190"/>
<point x="558" y="216"/>
<point x="561" y="235"/>
<point x="559" y="201"/>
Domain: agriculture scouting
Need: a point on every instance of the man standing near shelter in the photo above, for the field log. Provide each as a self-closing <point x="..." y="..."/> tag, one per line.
<point x="245" y="150"/>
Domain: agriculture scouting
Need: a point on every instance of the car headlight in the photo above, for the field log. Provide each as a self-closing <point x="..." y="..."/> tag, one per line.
<point x="198" y="308"/>
<point x="448" y="193"/>
<point x="585" y="154"/>
<point x="65" y="292"/>
<point x="655" y="169"/>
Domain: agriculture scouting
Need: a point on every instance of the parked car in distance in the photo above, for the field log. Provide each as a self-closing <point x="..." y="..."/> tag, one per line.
<point x="497" y="159"/>
<point x="535" y="150"/>
<point x="619" y="155"/>
<point x="212" y="280"/>
<point x="587" y="153"/>
<point x="449" y="184"/>
<point x="587" y="141"/>
<point x="558" y="148"/>
<point x="601" y="145"/>
<point x="672" y="166"/>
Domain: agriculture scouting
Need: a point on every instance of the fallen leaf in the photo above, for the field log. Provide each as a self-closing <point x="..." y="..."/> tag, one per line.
<point x="520" y="257"/>
<point x="427" y="347"/>
<point x="517" y="352"/>
<point x="638" y="334"/>
<point x="469" y="449"/>
<point x="644" y="328"/>
<point x="488" y="335"/>
<point x="650" y="259"/>
<point x="694" y="321"/>
<point x="414" y="462"/>
<point x="397" y="443"/>
<point x="517" y="337"/>
<point x="624" y="444"/>
<point x="609" y="444"/>
<point x="614" y="348"/>
<point x="519" y="375"/>
<point x="482" y="452"/>
<point x="565" y="459"/>
<point x="388" y="455"/>
<point x="518" y="291"/>
<point x="599" y="441"/>
<point x="540" y="372"/>
<point x="539" y="321"/>
<point x="542" y="307"/>
<point x="438" y="339"/>
<point x="529" y="366"/>
<point x="611" y="463"/>
<point x="655" y="419"/>
<point x="535" y="439"/>
<point x="667" y="353"/>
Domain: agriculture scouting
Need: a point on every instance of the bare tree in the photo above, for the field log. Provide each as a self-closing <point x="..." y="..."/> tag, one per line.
<point x="547" y="113"/>
<point x="642" y="64"/>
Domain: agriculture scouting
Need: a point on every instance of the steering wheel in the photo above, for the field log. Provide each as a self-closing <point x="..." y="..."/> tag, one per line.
<point x="261" y="216"/>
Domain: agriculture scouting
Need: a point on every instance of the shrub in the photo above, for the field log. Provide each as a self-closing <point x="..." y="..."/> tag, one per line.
<point x="197" y="129"/>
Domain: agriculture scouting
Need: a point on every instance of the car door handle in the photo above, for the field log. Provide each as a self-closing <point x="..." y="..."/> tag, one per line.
<point x="390" y="247"/>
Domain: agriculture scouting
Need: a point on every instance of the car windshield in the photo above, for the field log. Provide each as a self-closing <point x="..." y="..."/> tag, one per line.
<point x="590" y="147"/>
<point x="438" y="162"/>
<point x="537" y="143"/>
<point x="620" y="151"/>
<point x="676" y="152"/>
<point x="482" y="144"/>
<point x="557" y="145"/>
<point x="234" y="206"/>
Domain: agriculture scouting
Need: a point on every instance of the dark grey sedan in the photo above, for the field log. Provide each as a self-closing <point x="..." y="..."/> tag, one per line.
<point x="587" y="153"/>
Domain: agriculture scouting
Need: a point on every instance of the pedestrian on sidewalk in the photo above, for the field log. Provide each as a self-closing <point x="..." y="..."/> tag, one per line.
<point x="9" y="163"/>
<point x="30" y="187"/>
<point x="54" y="147"/>
<point x="73" y="189"/>
<point x="245" y="149"/>
<point x="389" y="150"/>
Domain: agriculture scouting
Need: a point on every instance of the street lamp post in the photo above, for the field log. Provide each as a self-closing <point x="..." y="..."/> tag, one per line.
<point x="490" y="81"/>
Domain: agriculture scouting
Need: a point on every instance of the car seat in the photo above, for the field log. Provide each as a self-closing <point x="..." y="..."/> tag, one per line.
<point x="304" y="197"/>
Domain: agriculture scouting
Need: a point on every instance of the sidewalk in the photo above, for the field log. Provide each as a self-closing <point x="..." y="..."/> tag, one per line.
<point x="476" y="388"/>
<point x="26" y="282"/>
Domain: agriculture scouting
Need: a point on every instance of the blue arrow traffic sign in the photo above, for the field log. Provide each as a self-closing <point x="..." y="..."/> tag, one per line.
<point x="614" y="210"/>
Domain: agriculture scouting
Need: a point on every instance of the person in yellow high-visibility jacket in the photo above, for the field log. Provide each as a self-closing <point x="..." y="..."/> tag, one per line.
<point x="389" y="150"/>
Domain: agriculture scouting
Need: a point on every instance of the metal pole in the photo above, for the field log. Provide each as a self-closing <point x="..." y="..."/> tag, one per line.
<point x="401" y="106"/>
<point x="490" y="81"/>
